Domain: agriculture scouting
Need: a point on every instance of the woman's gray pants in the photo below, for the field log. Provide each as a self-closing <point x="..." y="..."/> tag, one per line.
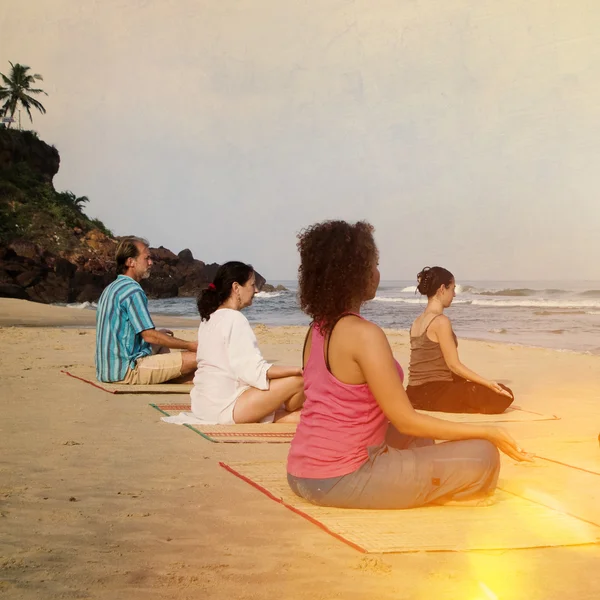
<point x="405" y="472"/>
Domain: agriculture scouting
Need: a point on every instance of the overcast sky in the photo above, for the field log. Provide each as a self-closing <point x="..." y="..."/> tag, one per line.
<point x="467" y="132"/>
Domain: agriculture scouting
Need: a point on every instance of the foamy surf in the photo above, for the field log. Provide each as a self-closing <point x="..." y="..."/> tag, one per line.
<point x="83" y="305"/>
<point x="268" y="294"/>
<point x="528" y="320"/>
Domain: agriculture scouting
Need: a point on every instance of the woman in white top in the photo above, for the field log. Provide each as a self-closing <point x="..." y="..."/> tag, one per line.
<point x="233" y="382"/>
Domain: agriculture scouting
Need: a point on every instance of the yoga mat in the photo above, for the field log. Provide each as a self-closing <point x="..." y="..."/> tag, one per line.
<point x="510" y="415"/>
<point x="580" y="454"/>
<point x="511" y="523"/>
<point x="88" y="375"/>
<point x="565" y="488"/>
<point x="247" y="433"/>
<point x="280" y="433"/>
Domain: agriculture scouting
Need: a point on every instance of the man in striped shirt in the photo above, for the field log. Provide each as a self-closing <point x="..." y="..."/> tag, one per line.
<point x="128" y="347"/>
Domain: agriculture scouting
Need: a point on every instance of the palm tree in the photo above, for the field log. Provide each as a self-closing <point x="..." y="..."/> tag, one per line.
<point x="76" y="202"/>
<point x="16" y="91"/>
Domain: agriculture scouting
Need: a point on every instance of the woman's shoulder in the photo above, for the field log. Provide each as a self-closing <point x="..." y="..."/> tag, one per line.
<point x="441" y="325"/>
<point x="441" y="321"/>
<point x="230" y="314"/>
<point x="360" y="330"/>
<point x="225" y="320"/>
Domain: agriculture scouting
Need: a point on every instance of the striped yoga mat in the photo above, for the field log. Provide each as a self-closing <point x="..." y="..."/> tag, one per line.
<point x="88" y="375"/>
<point x="250" y="433"/>
<point x="512" y="522"/>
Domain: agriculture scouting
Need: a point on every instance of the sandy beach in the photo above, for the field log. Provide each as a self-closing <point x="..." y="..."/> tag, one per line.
<point x="100" y="499"/>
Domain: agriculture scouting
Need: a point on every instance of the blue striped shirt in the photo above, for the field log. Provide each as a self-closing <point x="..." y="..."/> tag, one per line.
<point x="121" y="317"/>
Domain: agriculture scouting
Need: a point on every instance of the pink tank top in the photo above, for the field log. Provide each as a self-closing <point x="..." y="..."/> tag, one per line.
<point x="339" y="421"/>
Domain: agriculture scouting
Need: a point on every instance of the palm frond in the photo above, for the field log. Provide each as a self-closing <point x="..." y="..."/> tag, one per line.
<point x="37" y="91"/>
<point x="35" y="103"/>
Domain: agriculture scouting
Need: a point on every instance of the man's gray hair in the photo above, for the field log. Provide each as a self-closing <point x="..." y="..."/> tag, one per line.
<point x="128" y="248"/>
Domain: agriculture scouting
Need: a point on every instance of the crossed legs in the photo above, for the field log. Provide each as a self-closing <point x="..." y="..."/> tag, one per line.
<point x="284" y="397"/>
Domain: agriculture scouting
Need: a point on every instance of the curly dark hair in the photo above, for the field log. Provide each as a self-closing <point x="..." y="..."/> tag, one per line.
<point x="336" y="262"/>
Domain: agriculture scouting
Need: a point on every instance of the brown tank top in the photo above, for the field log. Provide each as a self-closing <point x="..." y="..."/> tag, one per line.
<point x="427" y="362"/>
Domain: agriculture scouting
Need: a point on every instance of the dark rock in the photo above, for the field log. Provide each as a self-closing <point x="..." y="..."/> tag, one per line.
<point x="193" y="279"/>
<point x="64" y="269"/>
<point x="89" y="293"/>
<point x="267" y="287"/>
<point x="186" y="256"/>
<point x="11" y="290"/>
<point x="28" y="278"/>
<point x="259" y="280"/>
<point x="25" y="249"/>
<point x="87" y="287"/>
<point x="24" y="146"/>
<point x="160" y="287"/>
<point x="5" y="277"/>
<point x="51" y="289"/>
<point x="15" y="268"/>
<point x="210" y="271"/>
<point x="67" y="258"/>
<point x="164" y="255"/>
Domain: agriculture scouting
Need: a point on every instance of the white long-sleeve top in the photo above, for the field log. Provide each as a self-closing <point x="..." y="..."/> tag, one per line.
<point x="229" y="362"/>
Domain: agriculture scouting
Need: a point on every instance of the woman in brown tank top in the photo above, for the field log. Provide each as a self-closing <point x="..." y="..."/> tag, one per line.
<point x="437" y="378"/>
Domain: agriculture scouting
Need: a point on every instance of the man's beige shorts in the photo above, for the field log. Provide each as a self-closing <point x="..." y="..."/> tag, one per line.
<point x="157" y="368"/>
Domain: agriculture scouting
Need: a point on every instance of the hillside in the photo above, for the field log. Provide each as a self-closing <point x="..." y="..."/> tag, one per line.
<point x="51" y="251"/>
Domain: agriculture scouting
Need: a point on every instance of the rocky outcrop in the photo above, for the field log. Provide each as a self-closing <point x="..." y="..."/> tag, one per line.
<point x="50" y="251"/>
<point x="28" y="272"/>
<point x="267" y="287"/>
<point x="25" y="147"/>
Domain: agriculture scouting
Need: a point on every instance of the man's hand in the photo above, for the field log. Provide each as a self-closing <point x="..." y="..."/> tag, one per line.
<point x="161" y="337"/>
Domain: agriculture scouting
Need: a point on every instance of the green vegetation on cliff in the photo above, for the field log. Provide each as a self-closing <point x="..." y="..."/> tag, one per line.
<point x="51" y="251"/>
<point x="30" y="208"/>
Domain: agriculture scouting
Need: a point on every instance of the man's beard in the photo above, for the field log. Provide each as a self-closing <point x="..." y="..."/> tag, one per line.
<point x="146" y="274"/>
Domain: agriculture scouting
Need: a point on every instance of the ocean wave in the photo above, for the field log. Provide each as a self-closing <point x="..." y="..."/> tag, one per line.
<point x="82" y="305"/>
<point x="465" y="289"/>
<point x="551" y="313"/>
<point x="460" y="289"/>
<point x="590" y="294"/>
<point x="501" y="330"/>
<point x="268" y="294"/>
<point x="420" y="301"/>
<point x="507" y="292"/>
<point x="571" y="306"/>
<point x="538" y="303"/>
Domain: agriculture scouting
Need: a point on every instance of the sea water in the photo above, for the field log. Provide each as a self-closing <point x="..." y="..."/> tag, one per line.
<point x="551" y="314"/>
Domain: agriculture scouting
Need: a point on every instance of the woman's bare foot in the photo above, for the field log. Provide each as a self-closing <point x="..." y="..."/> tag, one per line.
<point x="283" y="416"/>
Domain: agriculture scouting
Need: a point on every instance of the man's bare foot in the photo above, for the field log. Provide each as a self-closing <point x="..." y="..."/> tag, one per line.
<point x="186" y="378"/>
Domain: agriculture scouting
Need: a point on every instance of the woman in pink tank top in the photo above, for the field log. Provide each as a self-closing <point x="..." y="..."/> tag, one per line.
<point x="360" y="443"/>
